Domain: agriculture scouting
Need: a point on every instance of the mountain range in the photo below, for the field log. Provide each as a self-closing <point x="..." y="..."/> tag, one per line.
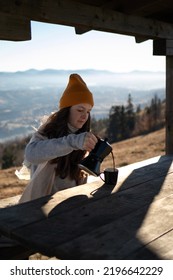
<point x="25" y="96"/>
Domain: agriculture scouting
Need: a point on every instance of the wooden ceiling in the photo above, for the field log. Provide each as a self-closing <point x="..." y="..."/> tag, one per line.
<point x="143" y="19"/>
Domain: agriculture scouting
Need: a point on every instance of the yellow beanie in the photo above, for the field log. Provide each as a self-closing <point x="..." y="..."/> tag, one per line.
<point x="75" y="93"/>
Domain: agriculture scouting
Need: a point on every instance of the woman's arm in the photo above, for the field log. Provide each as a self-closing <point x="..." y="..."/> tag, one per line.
<point x="41" y="149"/>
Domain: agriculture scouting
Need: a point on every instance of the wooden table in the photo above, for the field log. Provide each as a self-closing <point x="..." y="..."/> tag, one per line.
<point x="133" y="220"/>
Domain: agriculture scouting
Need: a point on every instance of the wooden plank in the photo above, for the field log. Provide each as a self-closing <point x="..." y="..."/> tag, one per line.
<point x="14" y="28"/>
<point x="73" y="13"/>
<point x="144" y="171"/>
<point x="113" y="213"/>
<point x="14" y="219"/>
<point x="18" y="216"/>
<point x="142" y="235"/>
<point x="129" y="177"/>
<point x="160" y="248"/>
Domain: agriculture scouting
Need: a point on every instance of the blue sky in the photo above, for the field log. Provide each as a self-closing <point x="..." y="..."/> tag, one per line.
<point x="58" y="47"/>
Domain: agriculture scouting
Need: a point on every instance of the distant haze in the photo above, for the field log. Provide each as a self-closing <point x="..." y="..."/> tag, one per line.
<point x="45" y="78"/>
<point x="26" y="96"/>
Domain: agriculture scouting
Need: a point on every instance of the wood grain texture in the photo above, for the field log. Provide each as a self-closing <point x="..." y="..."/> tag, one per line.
<point x="96" y="221"/>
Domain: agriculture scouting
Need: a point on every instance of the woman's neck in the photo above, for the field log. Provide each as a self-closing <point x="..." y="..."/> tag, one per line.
<point x="71" y="128"/>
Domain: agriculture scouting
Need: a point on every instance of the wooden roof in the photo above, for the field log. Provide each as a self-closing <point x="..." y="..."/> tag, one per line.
<point x="144" y="19"/>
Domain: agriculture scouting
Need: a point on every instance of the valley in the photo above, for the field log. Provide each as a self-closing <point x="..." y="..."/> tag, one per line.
<point x="25" y="97"/>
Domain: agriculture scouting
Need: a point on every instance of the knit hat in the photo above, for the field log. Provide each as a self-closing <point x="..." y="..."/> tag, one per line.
<point x="75" y="93"/>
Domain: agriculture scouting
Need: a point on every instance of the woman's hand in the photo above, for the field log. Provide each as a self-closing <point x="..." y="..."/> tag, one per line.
<point x="90" y="141"/>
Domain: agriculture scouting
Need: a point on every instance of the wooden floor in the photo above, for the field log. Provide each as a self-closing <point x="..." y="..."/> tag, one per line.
<point x="133" y="220"/>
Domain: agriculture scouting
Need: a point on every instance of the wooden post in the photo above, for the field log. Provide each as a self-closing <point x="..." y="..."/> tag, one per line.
<point x="169" y="105"/>
<point x="165" y="47"/>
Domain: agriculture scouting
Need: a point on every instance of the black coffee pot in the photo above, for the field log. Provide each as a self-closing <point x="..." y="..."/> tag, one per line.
<point x="91" y="164"/>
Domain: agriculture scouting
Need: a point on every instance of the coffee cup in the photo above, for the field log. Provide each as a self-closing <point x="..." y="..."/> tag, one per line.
<point x="110" y="176"/>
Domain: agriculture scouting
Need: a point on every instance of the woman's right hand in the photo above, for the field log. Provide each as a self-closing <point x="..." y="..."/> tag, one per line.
<point x="90" y="141"/>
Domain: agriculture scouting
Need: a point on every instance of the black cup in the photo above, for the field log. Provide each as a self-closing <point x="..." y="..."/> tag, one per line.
<point x="110" y="176"/>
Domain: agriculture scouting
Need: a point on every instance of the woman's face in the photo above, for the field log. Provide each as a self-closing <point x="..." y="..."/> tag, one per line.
<point x="79" y="114"/>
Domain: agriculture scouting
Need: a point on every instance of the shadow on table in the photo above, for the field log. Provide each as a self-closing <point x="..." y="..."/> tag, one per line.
<point x="107" y="225"/>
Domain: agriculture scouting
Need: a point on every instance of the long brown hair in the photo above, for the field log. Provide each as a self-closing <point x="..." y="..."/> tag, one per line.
<point x="57" y="126"/>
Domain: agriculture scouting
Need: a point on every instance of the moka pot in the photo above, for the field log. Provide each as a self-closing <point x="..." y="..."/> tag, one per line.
<point x="91" y="164"/>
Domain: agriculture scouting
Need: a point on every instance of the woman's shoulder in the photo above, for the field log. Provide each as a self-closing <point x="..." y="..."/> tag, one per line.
<point x="38" y="135"/>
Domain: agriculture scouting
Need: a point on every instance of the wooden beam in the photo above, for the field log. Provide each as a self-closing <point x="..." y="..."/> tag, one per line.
<point x="163" y="47"/>
<point x="81" y="30"/>
<point x="142" y="7"/>
<point x="169" y="47"/>
<point x="169" y="105"/>
<point x="159" y="47"/>
<point x="141" y="39"/>
<point x="14" y="28"/>
<point x="72" y="13"/>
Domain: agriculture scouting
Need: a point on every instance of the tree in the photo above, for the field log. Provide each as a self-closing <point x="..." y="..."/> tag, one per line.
<point x="99" y="126"/>
<point x="130" y="117"/>
<point x="153" y="113"/>
<point x="116" y="127"/>
<point x="121" y="121"/>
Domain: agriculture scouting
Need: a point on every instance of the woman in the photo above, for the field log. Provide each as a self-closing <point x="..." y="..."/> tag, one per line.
<point x="55" y="150"/>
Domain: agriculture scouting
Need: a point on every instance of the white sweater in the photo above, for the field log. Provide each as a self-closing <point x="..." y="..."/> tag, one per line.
<point x="39" y="151"/>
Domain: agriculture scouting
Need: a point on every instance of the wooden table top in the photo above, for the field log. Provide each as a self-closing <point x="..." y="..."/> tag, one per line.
<point x="133" y="220"/>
